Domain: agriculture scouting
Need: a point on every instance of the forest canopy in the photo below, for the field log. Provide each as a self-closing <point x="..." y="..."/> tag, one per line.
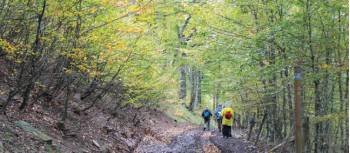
<point x="190" y="52"/>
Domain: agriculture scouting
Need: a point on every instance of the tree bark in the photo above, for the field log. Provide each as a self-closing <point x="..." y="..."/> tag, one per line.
<point x="192" y="83"/>
<point x="260" y="128"/>
<point x="182" y="94"/>
<point x="195" y="88"/>
<point x="284" y="105"/>
<point x="199" y="87"/>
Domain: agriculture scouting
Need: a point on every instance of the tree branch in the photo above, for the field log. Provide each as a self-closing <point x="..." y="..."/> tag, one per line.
<point x="116" y="19"/>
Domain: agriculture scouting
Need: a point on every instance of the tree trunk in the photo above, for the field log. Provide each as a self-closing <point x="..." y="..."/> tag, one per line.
<point x="289" y="99"/>
<point x="260" y="128"/>
<point x="36" y="49"/>
<point x="284" y="105"/>
<point x="346" y="143"/>
<point x="182" y="94"/>
<point x="343" y="137"/>
<point x="64" y="114"/>
<point x="192" y="89"/>
<point x="199" y="87"/>
<point x="216" y="96"/>
<point x="196" y="90"/>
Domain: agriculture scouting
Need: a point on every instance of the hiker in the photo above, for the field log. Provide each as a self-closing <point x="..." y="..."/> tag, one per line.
<point x="236" y="120"/>
<point x="227" y="121"/>
<point x="251" y="125"/>
<point x="218" y="116"/>
<point x="206" y="114"/>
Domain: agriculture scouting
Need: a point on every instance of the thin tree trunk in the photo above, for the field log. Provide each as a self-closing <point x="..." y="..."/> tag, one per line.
<point x="318" y="140"/>
<point x="66" y="101"/>
<point x="284" y="105"/>
<point x="196" y="90"/>
<point x="192" y="89"/>
<point x="199" y="92"/>
<point x="340" y="88"/>
<point x="260" y="128"/>
<point x="346" y="143"/>
<point x="289" y="99"/>
<point x="37" y="49"/>
<point x="182" y="82"/>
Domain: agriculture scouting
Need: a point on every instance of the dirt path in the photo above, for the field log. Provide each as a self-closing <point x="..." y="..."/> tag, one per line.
<point x="190" y="139"/>
<point x="236" y="144"/>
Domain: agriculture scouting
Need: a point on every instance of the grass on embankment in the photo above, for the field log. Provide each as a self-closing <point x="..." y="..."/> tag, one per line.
<point x="181" y="114"/>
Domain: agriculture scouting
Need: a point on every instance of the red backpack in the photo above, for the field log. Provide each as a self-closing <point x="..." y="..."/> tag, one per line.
<point x="228" y="115"/>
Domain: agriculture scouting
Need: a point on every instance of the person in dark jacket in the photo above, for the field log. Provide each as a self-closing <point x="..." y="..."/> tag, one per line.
<point x="218" y="116"/>
<point x="206" y="114"/>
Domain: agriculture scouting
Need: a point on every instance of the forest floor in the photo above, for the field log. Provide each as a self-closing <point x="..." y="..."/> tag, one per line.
<point x="141" y="130"/>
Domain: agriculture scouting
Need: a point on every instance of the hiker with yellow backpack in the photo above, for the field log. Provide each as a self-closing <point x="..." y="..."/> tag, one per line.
<point x="227" y="121"/>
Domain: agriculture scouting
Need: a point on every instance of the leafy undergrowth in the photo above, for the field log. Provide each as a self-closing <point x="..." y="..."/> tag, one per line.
<point x="181" y="114"/>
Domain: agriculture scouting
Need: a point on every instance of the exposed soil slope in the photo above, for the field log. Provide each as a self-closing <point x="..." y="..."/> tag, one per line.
<point x="96" y="130"/>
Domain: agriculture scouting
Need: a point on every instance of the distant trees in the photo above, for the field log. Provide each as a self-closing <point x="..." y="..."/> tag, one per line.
<point x="277" y="35"/>
<point x="248" y="52"/>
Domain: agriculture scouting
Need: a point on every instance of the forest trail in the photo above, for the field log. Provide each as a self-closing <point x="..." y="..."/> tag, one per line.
<point x="151" y="131"/>
<point x="192" y="139"/>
